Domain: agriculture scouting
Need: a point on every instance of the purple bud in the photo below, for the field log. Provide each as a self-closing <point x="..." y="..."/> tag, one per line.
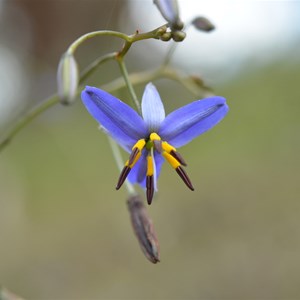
<point x="203" y="24"/>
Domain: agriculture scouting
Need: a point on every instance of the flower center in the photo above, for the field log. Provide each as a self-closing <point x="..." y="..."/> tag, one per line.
<point x="154" y="142"/>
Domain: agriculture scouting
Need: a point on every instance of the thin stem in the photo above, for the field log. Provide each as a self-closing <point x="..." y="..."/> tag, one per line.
<point x="95" y="64"/>
<point x="156" y="33"/>
<point x="173" y="47"/>
<point x="161" y="72"/>
<point x="120" y="164"/>
<point x="170" y="53"/>
<point x="49" y="102"/>
<point x="83" y="38"/>
<point x="129" y="84"/>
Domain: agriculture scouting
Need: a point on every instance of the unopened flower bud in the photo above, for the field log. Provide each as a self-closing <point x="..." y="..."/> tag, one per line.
<point x="178" y="36"/>
<point x="143" y="228"/>
<point x="203" y="24"/>
<point x="166" y="36"/>
<point x="67" y="78"/>
<point x="169" y="10"/>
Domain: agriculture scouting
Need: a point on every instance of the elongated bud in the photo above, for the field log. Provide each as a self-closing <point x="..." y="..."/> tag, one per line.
<point x="169" y="10"/>
<point x="67" y="79"/>
<point x="143" y="228"/>
<point x="203" y="24"/>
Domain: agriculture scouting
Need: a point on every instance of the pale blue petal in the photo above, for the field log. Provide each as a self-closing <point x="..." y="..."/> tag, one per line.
<point x="189" y="121"/>
<point x="117" y="119"/>
<point x="152" y="108"/>
<point x="168" y="9"/>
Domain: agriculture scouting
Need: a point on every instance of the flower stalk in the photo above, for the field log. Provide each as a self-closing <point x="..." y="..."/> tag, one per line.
<point x="129" y="84"/>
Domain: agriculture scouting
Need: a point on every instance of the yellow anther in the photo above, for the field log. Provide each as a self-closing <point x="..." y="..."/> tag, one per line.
<point x="134" y="162"/>
<point x="140" y="144"/>
<point x="167" y="147"/>
<point x="149" y="166"/>
<point x="154" y="137"/>
<point x="171" y="160"/>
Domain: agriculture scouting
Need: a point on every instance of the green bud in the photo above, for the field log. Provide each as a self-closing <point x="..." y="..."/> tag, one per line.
<point x="178" y="36"/>
<point x="203" y="24"/>
<point x="67" y="79"/>
<point x="166" y="36"/>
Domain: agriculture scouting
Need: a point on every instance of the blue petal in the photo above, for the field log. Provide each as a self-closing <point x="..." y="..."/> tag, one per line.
<point x="152" y="108"/>
<point x="138" y="172"/>
<point x="168" y="9"/>
<point x="118" y="119"/>
<point x="189" y="121"/>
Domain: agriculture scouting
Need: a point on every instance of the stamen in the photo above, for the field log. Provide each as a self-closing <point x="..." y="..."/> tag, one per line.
<point x="167" y="147"/>
<point x="134" y="157"/>
<point x="149" y="165"/>
<point x="149" y="180"/>
<point x="178" y="157"/>
<point x="172" y="150"/>
<point x="140" y="144"/>
<point x="154" y="137"/>
<point x="123" y="176"/>
<point x="171" y="160"/>
<point x="180" y="171"/>
<point x="185" y="178"/>
<point x="150" y="188"/>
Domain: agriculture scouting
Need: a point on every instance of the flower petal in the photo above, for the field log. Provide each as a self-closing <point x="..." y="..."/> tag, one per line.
<point x="189" y="121"/>
<point x="118" y="119"/>
<point x="138" y="172"/>
<point x="169" y="10"/>
<point x="152" y="108"/>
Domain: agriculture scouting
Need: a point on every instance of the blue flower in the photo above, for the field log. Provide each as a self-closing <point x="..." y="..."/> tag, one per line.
<point x="153" y="138"/>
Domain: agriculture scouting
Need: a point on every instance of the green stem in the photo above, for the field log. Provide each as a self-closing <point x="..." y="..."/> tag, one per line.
<point x="162" y="72"/>
<point x="129" y="84"/>
<point x="156" y="33"/>
<point x="95" y="64"/>
<point x="72" y="48"/>
<point x="49" y="102"/>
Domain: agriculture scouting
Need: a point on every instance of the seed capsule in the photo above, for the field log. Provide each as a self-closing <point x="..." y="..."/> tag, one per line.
<point x="143" y="228"/>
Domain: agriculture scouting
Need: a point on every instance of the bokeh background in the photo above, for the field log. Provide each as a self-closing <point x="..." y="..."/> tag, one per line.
<point x="64" y="230"/>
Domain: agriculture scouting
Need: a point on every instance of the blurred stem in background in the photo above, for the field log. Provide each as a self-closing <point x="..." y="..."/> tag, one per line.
<point x="7" y="295"/>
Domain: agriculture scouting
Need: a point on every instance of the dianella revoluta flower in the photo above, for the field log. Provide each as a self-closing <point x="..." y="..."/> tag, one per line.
<point x="153" y="137"/>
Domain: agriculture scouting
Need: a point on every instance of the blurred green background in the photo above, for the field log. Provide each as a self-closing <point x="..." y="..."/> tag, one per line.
<point x="65" y="232"/>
